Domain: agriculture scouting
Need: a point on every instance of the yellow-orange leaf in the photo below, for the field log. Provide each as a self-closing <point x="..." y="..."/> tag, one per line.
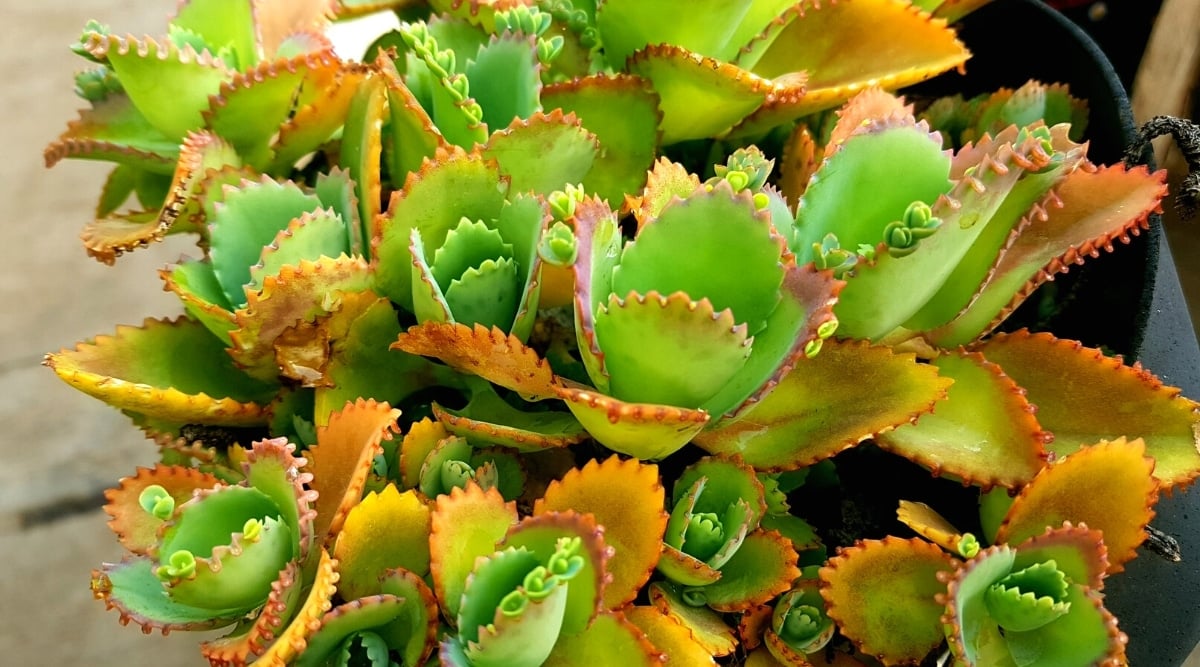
<point x="626" y="498"/>
<point x="342" y="457"/>
<point x="1107" y="486"/>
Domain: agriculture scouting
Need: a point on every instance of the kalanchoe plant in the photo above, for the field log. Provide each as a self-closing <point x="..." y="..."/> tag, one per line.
<point x="625" y="277"/>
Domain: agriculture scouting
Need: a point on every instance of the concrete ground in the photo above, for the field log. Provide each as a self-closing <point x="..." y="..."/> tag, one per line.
<point x="59" y="448"/>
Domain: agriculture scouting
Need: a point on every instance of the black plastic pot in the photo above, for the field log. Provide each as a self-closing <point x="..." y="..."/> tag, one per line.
<point x="1129" y="301"/>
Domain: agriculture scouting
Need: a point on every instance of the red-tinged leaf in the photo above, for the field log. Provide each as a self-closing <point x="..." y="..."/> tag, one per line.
<point x="238" y="649"/>
<point x="298" y="294"/>
<point x="315" y="123"/>
<point x="752" y="625"/>
<point x="626" y="498"/>
<point x="252" y="105"/>
<point x="170" y="370"/>
<point x="984" y="433"/>
<point x="1084" y="397"/>
<point x="1078" y="551"/>
<point x="798" y="164"/>
<point x="540" y="536"/>
<point x="488" y="353"/>
<point x="882" y="595"/>
<point x="466" y="524"/>
<point x="1107" y="487"/>
<point x="276" y="21"/>
<point x="342" y="457"/>
<point x="132" y="590"/>
<point x="872" y="105"/>
<point x="135" y="528"/>
<point x="1098" y="209"/>
<point x="665" y="181"/>
<point x="848" y="392"/>
<point x="114" y="130"/>
<point x="763" y="566"/>
<point x="290" y="644"/>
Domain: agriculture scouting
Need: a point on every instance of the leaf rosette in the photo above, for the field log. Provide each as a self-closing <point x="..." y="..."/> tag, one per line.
<point x="735" y="309"/>
<point x="1009" y="602"/>
<point x="219" y="555"/>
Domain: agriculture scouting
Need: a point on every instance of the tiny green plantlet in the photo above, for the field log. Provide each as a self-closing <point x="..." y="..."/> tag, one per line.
<point x="529" y="336"/>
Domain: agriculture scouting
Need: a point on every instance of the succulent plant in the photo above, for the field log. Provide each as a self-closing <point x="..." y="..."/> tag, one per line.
<point x="577" y="254"/>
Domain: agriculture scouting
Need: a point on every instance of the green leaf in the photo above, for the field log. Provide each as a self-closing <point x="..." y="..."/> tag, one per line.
<point x="551" y="535"/>
<point x="321" y="233"/>
<point x="505" y="79"/>
<point x="361" y="149"/>
<point x="414" y="138"/>
<point x="1081" y="637"/>
<point x="361" y="365"/>
<point x="968" y="625"/>
<point x="868" y="183"/>
<point x="704" y="26"/>
<point x="168" y="84"/>
<point x="489" y="420"/>
<point x="270" y="468"/>
<point x="222" y="26"/>
<point x="522" y="223"/>
<point x="543" y="153"/>
<point x="716" y="228"/>
<point x="700" y="97"/>
<point x="421" y="205"/>
<point x="609" y="639"/>
<point x="647" y="340"/>
<point x="240" y="571"/>
<point x="133" y="590"/>
<point x="964" y="215"/>
<point x="115" y="130"/>
<point x="335" y="189"/>
<point x="762" y="568"/>
<point x="196" y="285"/>
<point x="622" y="112"/>
<point x="467" y="246"/>
<point x="347" y="621"/>
<point x="243" y="223"/>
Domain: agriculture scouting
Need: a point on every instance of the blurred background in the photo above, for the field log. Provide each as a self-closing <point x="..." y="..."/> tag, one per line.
<point x="60" y="449"/>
